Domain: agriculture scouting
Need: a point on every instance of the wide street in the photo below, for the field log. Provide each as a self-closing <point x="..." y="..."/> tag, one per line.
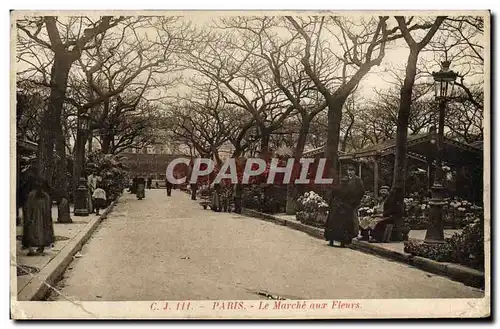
<point x="169" y="248"/>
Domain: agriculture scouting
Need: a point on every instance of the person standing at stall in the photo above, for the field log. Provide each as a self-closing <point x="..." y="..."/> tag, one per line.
<point x="342" y="224"/>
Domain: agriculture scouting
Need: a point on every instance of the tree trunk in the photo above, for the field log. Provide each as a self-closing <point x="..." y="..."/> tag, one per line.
<point x="106" y="143"/>
<point x="264" y="143"/>
<point x="238" y="188"/>
<point x="61" y="180"/>
<point x="218" y="160"/>
<point x="91" y="135"/>
<point x="332" y="145"/>
<point x="396" y="196"/>
<point x="346" y="136"/>
<point x="292" y="189"/>
<point x="52" y="134"/>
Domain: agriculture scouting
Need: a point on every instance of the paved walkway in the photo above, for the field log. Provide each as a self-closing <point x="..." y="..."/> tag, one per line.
<point x="416" y="235"/>
<point x="163" y="248"/>
<point x="63" y="233"/>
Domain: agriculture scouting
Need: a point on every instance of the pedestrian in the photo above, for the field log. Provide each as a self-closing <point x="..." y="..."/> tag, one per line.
<point x="141" y="191"/>
<point x="216" y="197"/>
<point x="194" y="188"/>
<point x="133" y="187"/>
<point x="92" y="181"/>
<point x="149" y="182"/>
<point x="169" y="186"/>
<point x="342" y="224"/>
<point x="38" y="228"/>
<point x="157" y="185"/>
<point x="99" y="197"/>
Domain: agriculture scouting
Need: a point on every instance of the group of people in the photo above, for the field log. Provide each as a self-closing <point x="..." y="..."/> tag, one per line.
<point x="343" y="224"/>
<point x="139" y="184"/>
<point x="38" y="227"/>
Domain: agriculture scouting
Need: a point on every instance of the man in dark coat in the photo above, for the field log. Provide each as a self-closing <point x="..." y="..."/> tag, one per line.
<point x="194" y="188"/>
<point x="342" y="224"/>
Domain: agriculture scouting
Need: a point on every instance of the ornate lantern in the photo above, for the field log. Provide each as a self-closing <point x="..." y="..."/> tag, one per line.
<point x="83" y="122"/>
<point x="444" y="81"/>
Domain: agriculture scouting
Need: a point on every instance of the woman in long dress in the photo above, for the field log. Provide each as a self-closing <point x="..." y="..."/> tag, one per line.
<point x="38" y="228"/>
<point x="141" y="188"/>
<point x="216" y="198"/>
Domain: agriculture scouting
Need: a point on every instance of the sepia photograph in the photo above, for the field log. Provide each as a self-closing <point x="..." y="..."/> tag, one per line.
<point x="250" y="165"/>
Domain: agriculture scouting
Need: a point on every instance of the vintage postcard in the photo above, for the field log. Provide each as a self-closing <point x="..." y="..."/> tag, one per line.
<point x="250" y="165"/>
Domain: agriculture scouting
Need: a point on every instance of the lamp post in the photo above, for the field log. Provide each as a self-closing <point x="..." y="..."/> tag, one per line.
<point x="81" y="202"/>
<point x="444" y="82"/>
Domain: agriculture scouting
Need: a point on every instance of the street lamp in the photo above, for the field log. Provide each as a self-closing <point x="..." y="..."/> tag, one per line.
<point x="83" y="122"/>
<point x="444" y="81"/>
<point x="79" y="181"/>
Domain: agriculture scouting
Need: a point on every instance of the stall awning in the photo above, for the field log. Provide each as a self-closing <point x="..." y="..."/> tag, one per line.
<point x="419" y="147"/>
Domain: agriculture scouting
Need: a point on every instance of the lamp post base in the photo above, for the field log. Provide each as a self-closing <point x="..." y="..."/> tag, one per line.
<point x="435" y="227"/>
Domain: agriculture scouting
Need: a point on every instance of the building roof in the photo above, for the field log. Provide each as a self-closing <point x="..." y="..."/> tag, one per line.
<point x="419" y="147"/>
<point x="148" y="162"/>
<point x="477" y="144"/>
<point x="25" y="145"/>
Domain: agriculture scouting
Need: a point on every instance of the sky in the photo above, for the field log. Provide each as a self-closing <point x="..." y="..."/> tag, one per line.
<point x="379" y="76"/>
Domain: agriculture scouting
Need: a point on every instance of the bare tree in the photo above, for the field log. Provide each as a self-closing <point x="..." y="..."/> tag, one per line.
<point x="396" y="196"/>
<point x="66" y="39"/>
<point x="361" y="51"/>
<point x="202" y="120"/>
<point x="244" y="82"/>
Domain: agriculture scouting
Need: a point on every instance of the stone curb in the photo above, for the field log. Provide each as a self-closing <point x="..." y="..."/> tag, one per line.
<point x="38" y="286"/>
<point x="467" y="276"/>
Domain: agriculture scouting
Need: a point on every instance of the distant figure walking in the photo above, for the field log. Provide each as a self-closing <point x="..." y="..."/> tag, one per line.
<point x="133" y="187"/>
<point x="169" y="187"/>
<point x="141" y="188"/>
<point x="194" y="188"/>
<point x="38" y="228"/>
<point x="149" y="182"/>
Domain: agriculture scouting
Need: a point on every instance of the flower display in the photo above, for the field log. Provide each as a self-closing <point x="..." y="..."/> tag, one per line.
<point x="111" y="171"/>
<point x="312" y="209"/>
<point x="466" y="248"/>
<point x="457" y="213"/>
